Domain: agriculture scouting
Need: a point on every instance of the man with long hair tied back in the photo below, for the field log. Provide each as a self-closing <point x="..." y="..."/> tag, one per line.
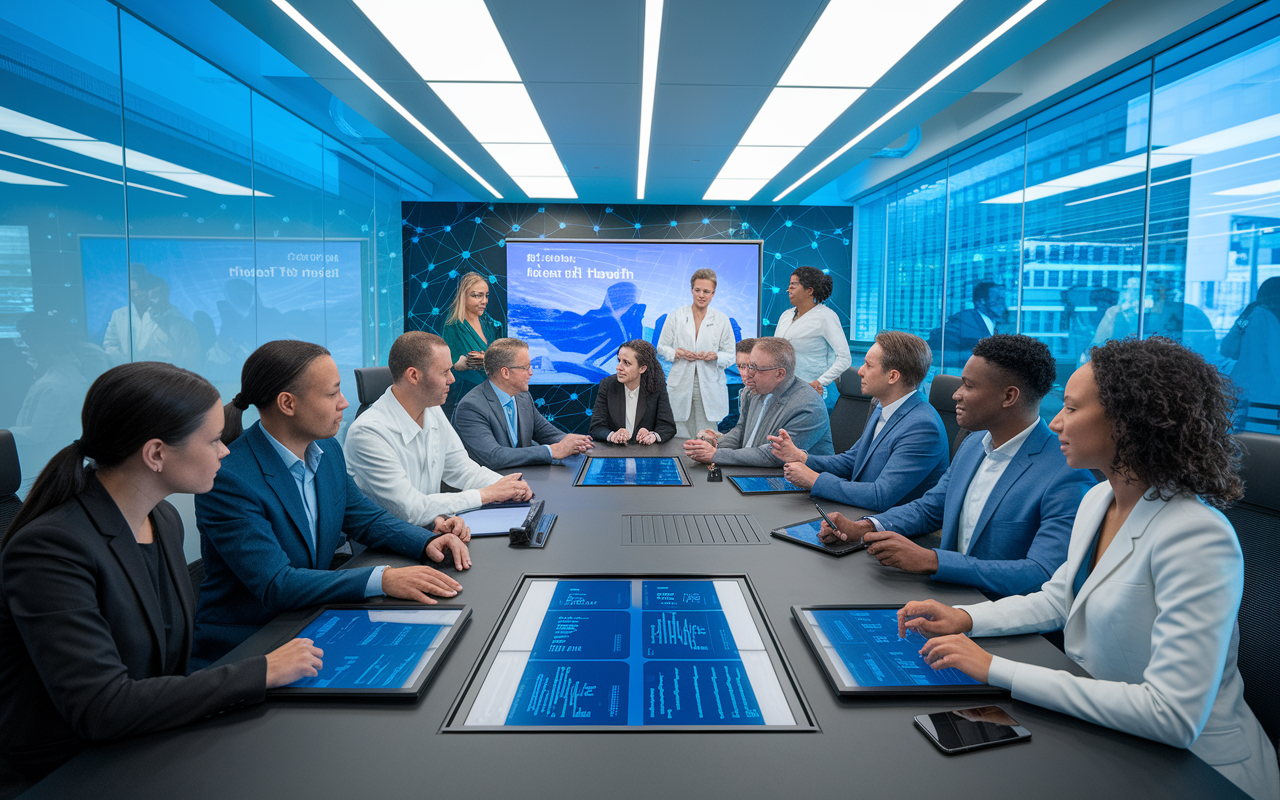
<point x="282" y="502"/>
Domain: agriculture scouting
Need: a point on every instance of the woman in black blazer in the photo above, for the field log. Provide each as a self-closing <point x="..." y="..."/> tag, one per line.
<point x="640" y="380"/>
<point x="96" y="604"/>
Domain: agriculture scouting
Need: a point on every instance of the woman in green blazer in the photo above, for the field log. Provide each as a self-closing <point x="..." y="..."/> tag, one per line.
<point x="468" y="332"/>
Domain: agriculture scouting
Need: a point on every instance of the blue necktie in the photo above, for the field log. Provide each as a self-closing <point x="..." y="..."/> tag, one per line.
<point x="510" y="408"/>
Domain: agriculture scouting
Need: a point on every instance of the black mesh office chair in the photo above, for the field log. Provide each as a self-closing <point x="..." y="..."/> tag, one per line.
<point x="371" y="383"/>
<point x="1257" y="522"/>
<point x="849" y="416"/>
<point x="940" y="398"/>
<point x="10" y="480"/>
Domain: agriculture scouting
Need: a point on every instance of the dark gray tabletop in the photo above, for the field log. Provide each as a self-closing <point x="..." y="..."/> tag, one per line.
<point x="866" y="748"/>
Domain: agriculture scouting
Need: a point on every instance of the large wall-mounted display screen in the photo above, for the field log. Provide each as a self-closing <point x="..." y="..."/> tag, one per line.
<point x="575" y="302"/>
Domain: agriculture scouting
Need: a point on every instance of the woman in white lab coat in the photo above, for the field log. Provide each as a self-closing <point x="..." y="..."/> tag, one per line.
<point x="814" y="330"/>
<point x="699" y="342"/>
<point x="1149" y="594"/>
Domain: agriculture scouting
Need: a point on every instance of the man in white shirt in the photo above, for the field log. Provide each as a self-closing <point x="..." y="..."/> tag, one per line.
<point x="402" y="447"/>
<point x="1007" y="502"/>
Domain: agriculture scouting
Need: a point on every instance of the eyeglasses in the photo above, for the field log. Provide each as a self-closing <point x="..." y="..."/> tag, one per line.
<point x="754" y="368"/>
<point x="526" y="366"/>
<point x="478" y="295"/>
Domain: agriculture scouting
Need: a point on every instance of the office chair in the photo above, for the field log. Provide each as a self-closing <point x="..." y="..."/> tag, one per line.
<point x="849" y="416"/>
<point x="10" y="480"/>
<point x="940" y="398"/>
<point x="1256" y="519"/>
<point x="371" y="383"/>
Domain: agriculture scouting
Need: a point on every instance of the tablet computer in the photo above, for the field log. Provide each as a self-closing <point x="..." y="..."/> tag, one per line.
<point x="375" y="652"/>
<point x="859" y="649"/>
<point x="497" y="519"/>
<point x="642" y="471"/>
<point x="806" y="533"/>
<point x="764" y="484"/>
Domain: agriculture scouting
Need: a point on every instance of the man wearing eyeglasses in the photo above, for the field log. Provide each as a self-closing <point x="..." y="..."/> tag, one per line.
<point x="497" y="421"/>
<point x="778" y="401"/>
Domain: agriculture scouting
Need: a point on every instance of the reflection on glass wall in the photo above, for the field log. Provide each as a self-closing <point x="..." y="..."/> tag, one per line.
<point x="152" y="207"/>
<point x="1053" y="218"/>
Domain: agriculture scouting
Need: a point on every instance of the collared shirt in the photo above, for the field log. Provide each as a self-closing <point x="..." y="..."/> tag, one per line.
<point x="633" y="399"/>
<point x="508" y="403"/>
<point x="399" y="464"/>
<point x="984" y="480"/>
<point x="750" y="441"/>
<point x="304" y="475"/>
<point x="989" y="322"/>
<point x="887" y="411"/>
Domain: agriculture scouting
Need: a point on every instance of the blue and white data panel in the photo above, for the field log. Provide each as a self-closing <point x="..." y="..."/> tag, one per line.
<point x="645" y="471"/>
<point x="635" y="652"/>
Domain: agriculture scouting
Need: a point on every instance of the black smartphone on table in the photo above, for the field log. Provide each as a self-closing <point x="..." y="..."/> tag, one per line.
<point x="971" y="729"/>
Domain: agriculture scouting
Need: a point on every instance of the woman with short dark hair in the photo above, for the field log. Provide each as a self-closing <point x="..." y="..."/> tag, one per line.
<point x="1149" y="594"/>
<point x="632" y="404"/>
<point x="814" y="330"/>
<point x="97" y="613"/>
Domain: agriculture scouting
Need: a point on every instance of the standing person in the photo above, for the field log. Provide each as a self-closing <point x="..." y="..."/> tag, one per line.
<point x="1149" y="594"/>
<point x="97" y="614"/>
<point x="698" y="340"/>
<point x="468" y="331"/>
<point x="402" y="447"/>
<point x="1254" y="340"/>
<point x="822" y="349"/>
<point x="271" y="524"/>
<point x="632" y="405"/>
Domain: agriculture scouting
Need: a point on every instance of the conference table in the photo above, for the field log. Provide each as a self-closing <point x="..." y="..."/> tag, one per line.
<point x="863" y="748"/>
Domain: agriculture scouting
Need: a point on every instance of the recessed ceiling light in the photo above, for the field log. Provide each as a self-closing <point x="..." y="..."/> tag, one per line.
<point x="648" y="87"/>
<point x="550" y="187"/>
<point x="444" y="40"/>
<point x="757" y="162"/>
<point x="795" y="116"/>
<point x="494" y="112"/>
<point x="20" y="124"/>
<point x="89" y="174"/>
<point x="520" y="160"/>
<point x="25" y="180"/>
<point x="732" y="189"/>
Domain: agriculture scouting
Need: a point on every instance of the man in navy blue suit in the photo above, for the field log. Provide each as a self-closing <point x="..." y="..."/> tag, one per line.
<point x="1007" y="503"/>
<point x="282" y="501"/>
<point x="903" y="449"/>
<point x="966" y="328"/>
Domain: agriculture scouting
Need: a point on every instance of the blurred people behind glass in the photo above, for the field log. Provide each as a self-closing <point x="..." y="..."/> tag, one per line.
<point x="1083" y="308"/>
<point x="1254" y="341"/>
<point x="468" y="331"/>
<point x="965" y="328"/>
<point x="151" y="328"/>
<point x="1165" y="314"/>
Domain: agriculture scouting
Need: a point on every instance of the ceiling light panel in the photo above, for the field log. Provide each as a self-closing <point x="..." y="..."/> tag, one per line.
<point x="25" y="180"/>
<point x="494" y="112"/>
<point x="757" y="163"/>
<point x="523" y="160"/>
<point x="22" y="125"/>
<point x="648" y="88"/>
<point x="550" y="187"/>
<point x="734" y="189"/>
<point x="795" y="116"/>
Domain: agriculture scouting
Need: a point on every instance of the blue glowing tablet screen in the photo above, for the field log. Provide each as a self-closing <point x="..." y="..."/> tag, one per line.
<point x="751" y="484"/>
<point x="366" y="649"/>
<point x="659" y="471"/>
<point x="808" y="531"/>
<point x="866" y="639"/>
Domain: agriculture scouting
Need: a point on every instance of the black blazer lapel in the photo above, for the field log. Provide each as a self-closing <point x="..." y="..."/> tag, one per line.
<point x="170" y="537"/>
<point x="282" y="483"/>
<point x="641" y="408"/>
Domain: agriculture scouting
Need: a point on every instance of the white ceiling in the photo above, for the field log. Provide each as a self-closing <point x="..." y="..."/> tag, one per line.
<point x="581" y="61"/>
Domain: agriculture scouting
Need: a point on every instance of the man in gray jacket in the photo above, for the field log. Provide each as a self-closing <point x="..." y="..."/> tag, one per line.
<point x="778" y="401"/>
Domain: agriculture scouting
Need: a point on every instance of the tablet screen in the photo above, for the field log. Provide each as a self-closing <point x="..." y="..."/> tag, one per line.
<point x="365" y="648"/>
<point x="652" y="471"/>
<point x="764" y="484"/>
<point x="862" y="645"/>
<point x="806" y="532"/>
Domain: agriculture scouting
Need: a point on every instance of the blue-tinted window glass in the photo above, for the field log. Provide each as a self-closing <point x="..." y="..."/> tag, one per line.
<point x="389" y="278"/>
<point x="984" y="195"/>
<point x="1083" y="225"/>
<point x="1214" y="243"/>
<point x="869" y="282"/>
<point x="349" y="230"/>
<point x="916" y="256"/>
<point x="62" y="219"/>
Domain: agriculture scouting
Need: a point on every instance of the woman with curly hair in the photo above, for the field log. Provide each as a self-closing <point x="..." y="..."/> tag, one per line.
<point x="814" y="330"/>
<point x="633" y="404"/>
<point x="1149" y="594"/>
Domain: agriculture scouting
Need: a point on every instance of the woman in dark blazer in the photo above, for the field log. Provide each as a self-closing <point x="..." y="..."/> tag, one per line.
<point x="632" y="405"/>
<point x="96" y="604"/>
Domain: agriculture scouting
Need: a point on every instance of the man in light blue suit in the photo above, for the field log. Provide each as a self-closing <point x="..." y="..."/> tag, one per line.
<point x="903" y="450"/>
<point x="1007" y="503"/>
<point x="282" y="501"/>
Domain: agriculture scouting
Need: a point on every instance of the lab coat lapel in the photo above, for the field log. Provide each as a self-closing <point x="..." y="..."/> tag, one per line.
<point x="282" y="483"/>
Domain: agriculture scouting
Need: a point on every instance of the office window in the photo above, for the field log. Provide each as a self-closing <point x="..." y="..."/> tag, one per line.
<point x="869" y="265"/>
<point x="916" y="254"/>
<point x="348" y="245"/>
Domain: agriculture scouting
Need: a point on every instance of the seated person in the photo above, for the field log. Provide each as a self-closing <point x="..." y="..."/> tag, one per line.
<point x="903" y="450"/>
<point x="1148" y="597"/>
<point x="401" y="448"/>
<point x="742" y="356"/>
<point x="633" y="405"/>
<point x="497" y="421"/>
<point x="778" y="401"/>
<point x="269" y="528"/>
<point x="92" y="547"/>
<point x="1006" y="504"/>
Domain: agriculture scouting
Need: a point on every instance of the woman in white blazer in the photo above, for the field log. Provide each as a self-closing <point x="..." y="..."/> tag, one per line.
<point x="1150" y="591"/>
<point x="698" y="340"/>
<point x="814" y="330"/>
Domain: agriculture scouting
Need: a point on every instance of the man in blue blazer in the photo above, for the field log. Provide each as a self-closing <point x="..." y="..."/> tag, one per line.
<point x="903" y="450"/>
<point x="281" y="503"/>
<point x="966" y="328"/>
<point x="497" y="421"/>
<point x="1007" y="503"/>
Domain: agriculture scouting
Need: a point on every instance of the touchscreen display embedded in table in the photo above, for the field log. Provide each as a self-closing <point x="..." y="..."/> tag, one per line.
<point x="371" y="649"/>
<point x="868" y="651"/>
<point x="752" y="484"/>
<point x="653" y="471"/>
<point x="632" y="653"/>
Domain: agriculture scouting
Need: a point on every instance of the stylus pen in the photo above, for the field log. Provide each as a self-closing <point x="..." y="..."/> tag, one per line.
<point x="825" y="517"/>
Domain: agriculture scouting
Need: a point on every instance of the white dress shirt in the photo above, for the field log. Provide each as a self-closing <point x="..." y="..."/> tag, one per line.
<point x="989" y="322"/>
<point x="633" y="397"/>
<point x="886" y="412"/>
<point x="399" y="465"/>
<point x="984" y="480"/>
<point x="822" y="348"/>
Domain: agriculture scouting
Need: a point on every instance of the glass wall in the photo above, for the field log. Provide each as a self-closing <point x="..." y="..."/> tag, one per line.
<point x="153" y="207"/>
<point x="1146" y="205"/>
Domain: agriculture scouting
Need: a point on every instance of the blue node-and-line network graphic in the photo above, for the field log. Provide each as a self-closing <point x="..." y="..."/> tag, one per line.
<point x="443" y="241"/>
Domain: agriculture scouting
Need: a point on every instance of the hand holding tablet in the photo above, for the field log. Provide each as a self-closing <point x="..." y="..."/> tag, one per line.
<point x="843" y="529"/>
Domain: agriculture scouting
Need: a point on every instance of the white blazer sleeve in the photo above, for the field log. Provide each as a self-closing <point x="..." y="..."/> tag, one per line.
<point x="839" y="342"/>
<point x="667" y="341"/>
<point x="726" y="348"/>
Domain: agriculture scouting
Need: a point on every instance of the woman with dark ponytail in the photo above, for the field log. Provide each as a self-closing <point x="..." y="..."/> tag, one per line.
<point x="97" y="615"/>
